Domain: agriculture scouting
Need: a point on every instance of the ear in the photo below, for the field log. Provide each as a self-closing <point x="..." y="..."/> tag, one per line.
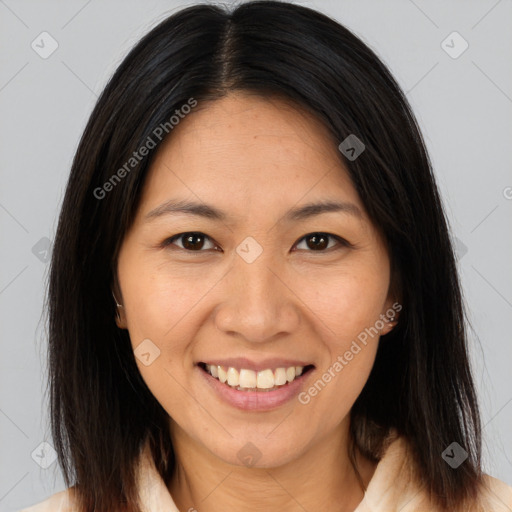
<point x="390" y="315"/>
<point x="120" y="312"/>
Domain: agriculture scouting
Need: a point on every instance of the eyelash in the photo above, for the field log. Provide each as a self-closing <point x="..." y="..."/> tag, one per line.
<point x="341" y="242"/>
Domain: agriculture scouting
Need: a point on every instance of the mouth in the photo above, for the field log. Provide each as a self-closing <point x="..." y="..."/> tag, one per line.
<point x="248" y="380"/>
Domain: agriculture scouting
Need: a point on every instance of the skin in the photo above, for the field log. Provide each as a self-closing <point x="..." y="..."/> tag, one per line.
<point x="254" y="158"/>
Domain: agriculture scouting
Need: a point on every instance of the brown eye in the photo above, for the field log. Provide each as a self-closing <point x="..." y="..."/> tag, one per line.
<point x="192" y="241"/>
<point x="198" y="242"/>
<point x="320" y="241"/>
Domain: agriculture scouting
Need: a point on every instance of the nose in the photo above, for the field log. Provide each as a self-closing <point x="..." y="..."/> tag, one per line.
<point x="258" y="304"/>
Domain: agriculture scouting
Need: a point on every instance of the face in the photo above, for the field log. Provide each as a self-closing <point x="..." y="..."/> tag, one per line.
<point x="253" y="282"/>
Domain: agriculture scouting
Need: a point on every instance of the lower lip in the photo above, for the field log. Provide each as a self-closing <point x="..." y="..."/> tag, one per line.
<point x="255" y="400"/>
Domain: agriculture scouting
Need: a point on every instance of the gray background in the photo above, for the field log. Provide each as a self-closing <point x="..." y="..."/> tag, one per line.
<point x="464" y="108"/>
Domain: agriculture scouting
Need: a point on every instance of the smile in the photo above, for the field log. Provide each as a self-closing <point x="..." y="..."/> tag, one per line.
<point x="243" y="379"/>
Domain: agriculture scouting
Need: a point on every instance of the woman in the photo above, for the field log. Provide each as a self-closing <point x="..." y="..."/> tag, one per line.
<point x="253" y="302"/>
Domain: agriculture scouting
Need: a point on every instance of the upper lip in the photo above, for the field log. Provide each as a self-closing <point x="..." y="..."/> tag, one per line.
<point x="243" y="362"/>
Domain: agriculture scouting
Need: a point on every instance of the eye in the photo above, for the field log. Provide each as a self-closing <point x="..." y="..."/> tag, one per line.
<point x="192" y="241"/>
<point x="318" y="242"/>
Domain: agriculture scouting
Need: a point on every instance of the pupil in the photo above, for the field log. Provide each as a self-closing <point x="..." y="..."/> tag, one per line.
<point x="191" y="241"/>
<point x="316" y="240"/>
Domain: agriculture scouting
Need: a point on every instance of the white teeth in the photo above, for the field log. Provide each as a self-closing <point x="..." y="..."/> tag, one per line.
<point x="280" y="377"/>
<point x="290" y="373"/>
<point x="233" y="377"/>
<point x="223" y="377"/>
<point x="245" y="379"/>
<point x="266" y="379"/>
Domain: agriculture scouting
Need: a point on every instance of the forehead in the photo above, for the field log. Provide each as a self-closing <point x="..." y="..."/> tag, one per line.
<point x="245" y="153"/>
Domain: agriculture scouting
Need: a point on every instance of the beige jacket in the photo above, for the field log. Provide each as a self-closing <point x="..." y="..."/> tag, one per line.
<point x="391" y="489"/>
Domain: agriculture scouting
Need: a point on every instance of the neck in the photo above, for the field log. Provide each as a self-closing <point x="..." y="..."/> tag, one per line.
<point x="321" y="478"/>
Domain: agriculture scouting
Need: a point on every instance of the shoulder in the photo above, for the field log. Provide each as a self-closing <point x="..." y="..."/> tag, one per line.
<point x="496" y="495"/>
<point x="59" y="502"/>
<point x="396" y="485"/>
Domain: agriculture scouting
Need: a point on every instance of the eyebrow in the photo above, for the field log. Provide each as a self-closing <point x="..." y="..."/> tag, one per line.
<point x="293" y="215"/>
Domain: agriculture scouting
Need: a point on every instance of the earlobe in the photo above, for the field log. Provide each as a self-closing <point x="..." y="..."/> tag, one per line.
<point x="390" y="318"/>
<point x="120" y="321"/>
<point x="120" y="316"/>
<point x="388" y="327"/>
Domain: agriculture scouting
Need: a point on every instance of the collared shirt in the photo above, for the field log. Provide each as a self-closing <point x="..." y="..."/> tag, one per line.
<point x="392" y="488"/>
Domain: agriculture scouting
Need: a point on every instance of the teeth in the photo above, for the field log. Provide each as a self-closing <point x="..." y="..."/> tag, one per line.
<point x="249" y="379"/>
<point x="266" y="379"/>
<point x="223" y="377"/>
<point x="233" y="377"/>
<point x="290" y="373"/>
<point x="280" y="377"/>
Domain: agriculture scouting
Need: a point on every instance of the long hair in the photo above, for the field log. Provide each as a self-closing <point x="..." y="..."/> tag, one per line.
<point x="102" y="412"/>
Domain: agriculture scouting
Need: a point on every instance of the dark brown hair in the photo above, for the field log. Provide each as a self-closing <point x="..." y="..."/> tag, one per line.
<point x="102" y="412"/>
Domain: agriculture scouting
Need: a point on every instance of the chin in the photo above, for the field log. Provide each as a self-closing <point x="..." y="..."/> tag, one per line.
<point x="259" y="452"/>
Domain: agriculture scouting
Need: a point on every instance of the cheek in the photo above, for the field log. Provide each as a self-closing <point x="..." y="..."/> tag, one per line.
<point x="159" y="317"/>
<point x="159" y="303"/>
<point x="342" y="374"/>
<point x="348" y="302"/>
<point x="159" y="308"/>
<point x="347" y="310"/>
